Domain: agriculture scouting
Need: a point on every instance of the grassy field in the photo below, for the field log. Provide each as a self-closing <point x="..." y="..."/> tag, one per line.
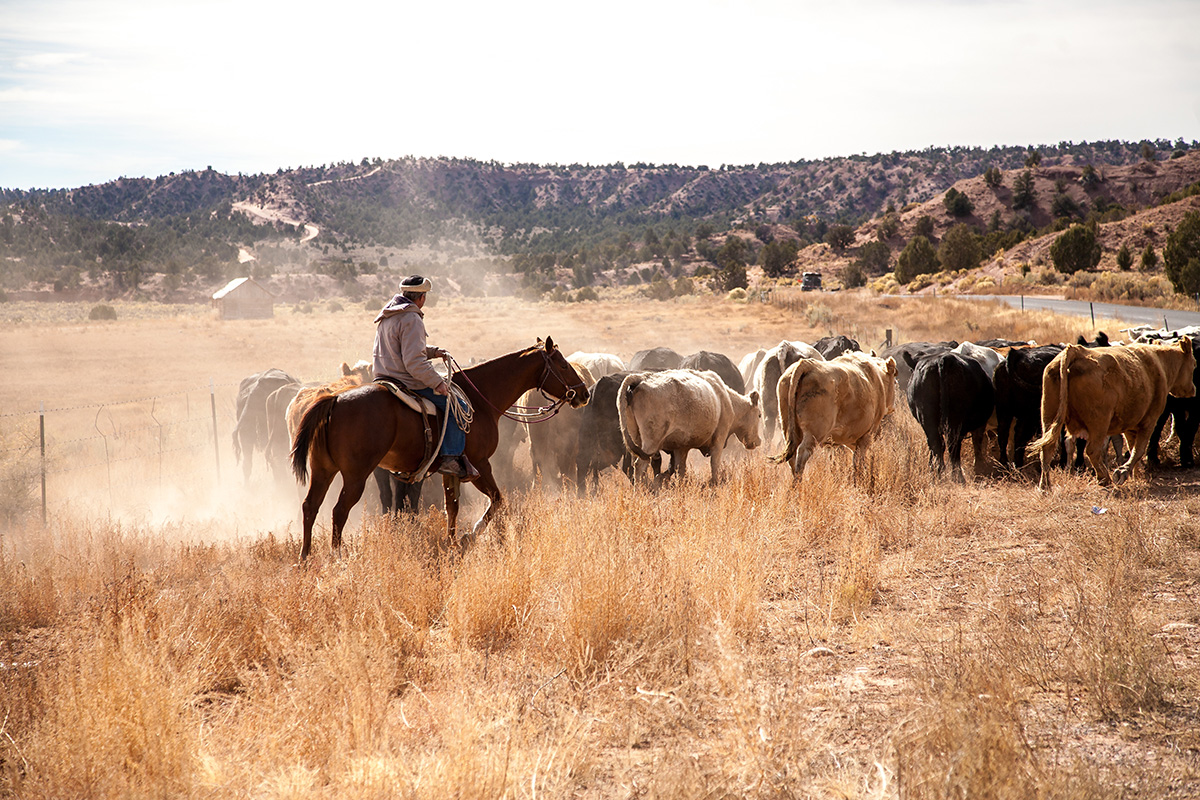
<point x="902" y="637"/>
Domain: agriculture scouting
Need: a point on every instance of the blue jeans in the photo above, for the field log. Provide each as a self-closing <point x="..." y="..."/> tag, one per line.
<point x="456" y="441"/>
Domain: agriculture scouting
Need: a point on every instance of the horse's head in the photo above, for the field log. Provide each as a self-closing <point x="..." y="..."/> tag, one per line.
<point x="559" y="379"/>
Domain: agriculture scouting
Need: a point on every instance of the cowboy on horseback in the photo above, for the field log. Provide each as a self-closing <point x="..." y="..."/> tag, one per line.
<point x="402" y="355"/>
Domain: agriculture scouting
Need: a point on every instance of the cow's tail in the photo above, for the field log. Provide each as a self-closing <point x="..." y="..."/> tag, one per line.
<point x="310" y="434"/>
<point x="1051" y="435"/>
<point x="788" y="412"/>
<point x="629" y="426"/>
<point x="947" y="414"/>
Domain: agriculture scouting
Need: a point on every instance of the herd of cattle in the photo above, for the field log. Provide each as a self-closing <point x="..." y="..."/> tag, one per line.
<point x="1009" y="397"/>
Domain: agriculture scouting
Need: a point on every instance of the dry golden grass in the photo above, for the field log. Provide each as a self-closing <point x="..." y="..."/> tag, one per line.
<point x="895" y="637"/>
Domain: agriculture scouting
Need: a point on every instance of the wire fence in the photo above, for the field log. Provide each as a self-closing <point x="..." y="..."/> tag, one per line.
<point x="120" y="448"/>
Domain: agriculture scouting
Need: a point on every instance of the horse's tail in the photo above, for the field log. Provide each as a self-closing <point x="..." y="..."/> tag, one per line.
<point x="629" y="426"/>
<point x="310" y="434"/>
<point x="1051" y="435"/>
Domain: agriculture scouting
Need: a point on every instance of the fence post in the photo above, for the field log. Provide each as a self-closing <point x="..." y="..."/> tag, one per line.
<point x="212" y="396"/>
<point x="42" y="437"/>
<point x="1092" y="309"/>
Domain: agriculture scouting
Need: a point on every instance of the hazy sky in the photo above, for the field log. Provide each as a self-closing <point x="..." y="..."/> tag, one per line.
<point x="91" y="90"/>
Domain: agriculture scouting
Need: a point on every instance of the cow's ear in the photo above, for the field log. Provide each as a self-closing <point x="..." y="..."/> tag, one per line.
<point x="346" y="369"/>
<point x="754" y="398"/>
<point x="891" y="366"/>
<point x="909" y="359"/>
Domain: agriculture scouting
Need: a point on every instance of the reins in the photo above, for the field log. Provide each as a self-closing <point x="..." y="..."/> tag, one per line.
<point x="526" y="414"/>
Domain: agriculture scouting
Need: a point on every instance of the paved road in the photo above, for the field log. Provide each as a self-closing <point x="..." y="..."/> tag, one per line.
<point x="1132" y="315"/>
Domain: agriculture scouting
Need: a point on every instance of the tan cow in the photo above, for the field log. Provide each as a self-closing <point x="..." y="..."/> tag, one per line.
<point x="554" y="442"/>
<point x="678" y="410"/>
<point x="1102" y="392"/>
<point x="839" y="402"/>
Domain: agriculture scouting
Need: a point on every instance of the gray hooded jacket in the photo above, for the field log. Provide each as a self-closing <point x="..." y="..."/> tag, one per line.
<point x="400" y="350"/>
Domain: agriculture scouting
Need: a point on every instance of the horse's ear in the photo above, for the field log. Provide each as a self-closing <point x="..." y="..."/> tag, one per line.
<point x="549" y="343"/>
<point x="540" y="342"/>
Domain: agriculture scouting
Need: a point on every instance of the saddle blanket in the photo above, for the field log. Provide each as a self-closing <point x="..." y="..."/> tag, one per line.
<point x="417" y="403"/>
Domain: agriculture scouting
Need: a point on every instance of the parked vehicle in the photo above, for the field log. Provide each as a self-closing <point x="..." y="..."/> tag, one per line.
<point x="810" y="281"/>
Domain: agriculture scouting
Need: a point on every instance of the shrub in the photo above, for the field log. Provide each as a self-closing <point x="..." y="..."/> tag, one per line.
<point x="839" y="237"/>
<point x="737" y="295"/>
<point x="924" y="226"/>
<point x="1063" y="206"/>
<point x="1181" y="255"/>
<point x="1024" y="194"/>
<point x="918" y="258"/>
<point x="1124" y="257"/>
<point x="335" y="306"/>
<point x="993" y="177"/>
<point x="1149" y="258"/>
<point x="660" y="289"/>
<point x="683" y="286"/>
<point x="1075" y="249"/>
<point x="959" y="248"/>
<point x="889" y="226"/>
<point x="873" y="258"/>
<point x="776" y="257"/>
<point x="920" y="282"/>
<point x="957" y="203"/>
<point x="102" y="311"/>
<point x="853" y="275"/>
<point x="584" y="294"/>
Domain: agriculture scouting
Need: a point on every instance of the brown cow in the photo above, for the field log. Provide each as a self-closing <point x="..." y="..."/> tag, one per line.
<point x="1095" y="394"/>
<point x="840" y="402"/>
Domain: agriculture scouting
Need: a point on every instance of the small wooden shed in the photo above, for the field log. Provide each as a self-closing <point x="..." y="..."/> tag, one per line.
<point x="244" y="298"/>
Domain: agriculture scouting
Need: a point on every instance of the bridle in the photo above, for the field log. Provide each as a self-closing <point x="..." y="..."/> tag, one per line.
<point x="527" y="414"/>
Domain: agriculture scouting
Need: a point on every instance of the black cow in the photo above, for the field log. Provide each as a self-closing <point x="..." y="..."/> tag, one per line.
<point x="917" y="350"/>
<point x="250" y="431"/>
<point x="718" y="363"/>
<point x="833" y="346"/>
<point x="600" y="442"/>
<point x="1186" y="411"/>
<point x="1101" y="340"/>
<point x="655" y="358"/>
<point x="1018" y="383"/>
<point x="951" y="396"/>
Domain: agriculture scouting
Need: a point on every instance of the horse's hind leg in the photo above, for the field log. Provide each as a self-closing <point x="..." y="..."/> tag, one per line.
<point x="352" y="490"/>
<point x="317" y="487"/>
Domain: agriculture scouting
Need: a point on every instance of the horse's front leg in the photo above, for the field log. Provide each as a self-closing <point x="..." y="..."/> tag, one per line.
<point x="352" y="490"/>
<point x="486" y="483"/>
<point x="450" y="486"/>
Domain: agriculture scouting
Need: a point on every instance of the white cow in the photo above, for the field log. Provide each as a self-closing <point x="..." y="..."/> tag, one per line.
<point x="986" y="357"/>
<point x="679" y="410"/>
<point x="598" y="364"/>
<point x="766" y="377"/>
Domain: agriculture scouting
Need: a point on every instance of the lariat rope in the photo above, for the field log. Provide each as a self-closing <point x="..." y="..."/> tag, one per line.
<point x="525" y="414"/>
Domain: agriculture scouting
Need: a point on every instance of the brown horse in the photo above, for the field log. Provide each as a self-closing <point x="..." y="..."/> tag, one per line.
<point x="365" y="427"/>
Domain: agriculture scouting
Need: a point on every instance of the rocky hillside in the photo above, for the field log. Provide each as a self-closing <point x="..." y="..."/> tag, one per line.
<point x="572" y="225"/>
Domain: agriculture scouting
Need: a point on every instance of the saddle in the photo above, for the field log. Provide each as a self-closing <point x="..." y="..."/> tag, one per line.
<point x="425" y="407"/>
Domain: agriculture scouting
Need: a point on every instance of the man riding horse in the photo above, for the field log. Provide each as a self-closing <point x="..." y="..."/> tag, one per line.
<point x="402" y="355"/>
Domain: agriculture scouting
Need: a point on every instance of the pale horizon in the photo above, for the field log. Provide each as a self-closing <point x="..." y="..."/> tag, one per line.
<point x="93" y="91"/>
